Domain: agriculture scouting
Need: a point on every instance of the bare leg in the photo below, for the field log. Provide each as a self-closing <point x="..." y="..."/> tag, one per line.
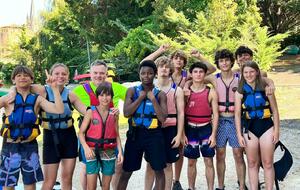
<point x="168" y="176"/>
<point x="209" y="172"/>
<point x="83" y="176"/>
<point x="159" y="180"/>
<point x="192" y="172"/>
<point x="91" y="181"/>
<point x="67" y="166"/>
<point x="267" y="156"/>
<point x="252" y="151"/>
<point x="123" y="182"/>
<point x="50" y="174"/>
<point x="221" y="166"/>
<point x="149" y="177"/>
<point x="240" y="166"/>
<point x="30" y="187"/>
<point x="116" y="176"/>
<point x="106" y="182"/>
<point x="178" y="164"/>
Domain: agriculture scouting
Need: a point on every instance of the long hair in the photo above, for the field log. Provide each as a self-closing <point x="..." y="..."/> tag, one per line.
<point x="259" y="83"/>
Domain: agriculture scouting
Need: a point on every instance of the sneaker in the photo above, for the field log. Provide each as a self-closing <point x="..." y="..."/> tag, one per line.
<point x="177" y="186"/>
<point x="246" y="188"/>
<point x="220" y="188"/>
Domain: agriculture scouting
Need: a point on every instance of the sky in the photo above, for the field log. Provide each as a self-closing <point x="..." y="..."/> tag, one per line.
<point x="15" y="11"/>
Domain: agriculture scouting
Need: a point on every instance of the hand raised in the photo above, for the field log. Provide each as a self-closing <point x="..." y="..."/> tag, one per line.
<point x="51" y="81"/>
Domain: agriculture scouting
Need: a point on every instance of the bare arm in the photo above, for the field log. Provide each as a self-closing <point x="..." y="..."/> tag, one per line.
<point x="119" y="144"/>
<point x="89" y="153"/>
<point x="215" y="110"/>
<point x="210" y="68"/>
<point x="77" y="103"/>
<point x="237" y="117"/>
<point x="270" y="88"/>
<point x="162" y="49"/>
<point x="57" y="107"/>
<point x="130" y="106"/>
<point x="275" y="112"/>
<point x="38" y="89"/>
<point x="211" y="79"/>
<point x="180" y="116"/>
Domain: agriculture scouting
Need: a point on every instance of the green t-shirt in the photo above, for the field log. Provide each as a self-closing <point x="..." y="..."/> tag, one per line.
<point x="118" y="89"/>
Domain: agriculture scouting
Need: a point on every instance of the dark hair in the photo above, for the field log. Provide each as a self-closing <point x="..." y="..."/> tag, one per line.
<point x="243" y="49"/>
<point x="224" y="53"/>
<point x="259" y="83"/>
<point x="179" y="54"/>
<point x="164" y="60"/>
<point x="104" y="88"/>
<point x="148" y="63"/>
<point x="198" y="65"/>
<point x="99" y="62"/>
<point x="22" y="69"/>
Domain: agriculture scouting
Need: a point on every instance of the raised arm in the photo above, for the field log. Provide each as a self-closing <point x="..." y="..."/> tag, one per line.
<point x="210" y="68"/>
<point x="79" y="106"/>
<point x="162" y="49"/>
<point x="56" y="107"/>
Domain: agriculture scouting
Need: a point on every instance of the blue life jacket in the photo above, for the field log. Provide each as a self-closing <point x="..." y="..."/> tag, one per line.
<point x="58" y="121"/>
<point x="255" y="104"/>
<point x="22" y="124"/>
<point x="144" y="115"/>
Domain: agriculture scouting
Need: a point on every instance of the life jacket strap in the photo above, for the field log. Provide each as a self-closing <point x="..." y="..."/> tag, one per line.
<point x="57" y="120"/>
<point x="172" y="115"/>
<point x="198" y="116"/>
<point x="139" y="115"/>
<point x="101" y="141"/>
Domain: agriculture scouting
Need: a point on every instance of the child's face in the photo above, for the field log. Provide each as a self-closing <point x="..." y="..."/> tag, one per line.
<point x="104" y="99"/>
<point x="225" y="64"/>
<point x="178" y="62"/>
<point x="250" y="74"/>
<point x="22" y="80"/>
<point x="61" y="75"/>
<point x="198" y="74"/>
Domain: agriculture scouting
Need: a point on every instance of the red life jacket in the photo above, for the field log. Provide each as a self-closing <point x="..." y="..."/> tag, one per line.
<point x="93" y="98"/>
<point x="100" y="134"/>
<point x="197" y="109"/>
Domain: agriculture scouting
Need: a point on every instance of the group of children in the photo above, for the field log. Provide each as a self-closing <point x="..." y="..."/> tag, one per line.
<point x="178" y="115"/>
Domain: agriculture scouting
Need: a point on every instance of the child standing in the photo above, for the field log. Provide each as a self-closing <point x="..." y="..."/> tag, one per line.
<point x="99" y="136"/>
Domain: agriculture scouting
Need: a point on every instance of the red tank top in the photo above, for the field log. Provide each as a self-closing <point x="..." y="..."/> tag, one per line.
<point x="198" y="109"/>
<point x="172" y="111"/>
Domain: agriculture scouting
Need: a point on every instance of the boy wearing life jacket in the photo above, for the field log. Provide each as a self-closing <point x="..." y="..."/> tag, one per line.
<point x="179" y="77"/>
<point x="20" y="129"/>
<point x="226" y="83"/>
<point x="86" y="93"/>
<point x="99" y="136"/>
<point x="146" y="108"/>
<point x="254" y="110"/>
<point x="201" y="112"/>
<point x="173" y="126"/>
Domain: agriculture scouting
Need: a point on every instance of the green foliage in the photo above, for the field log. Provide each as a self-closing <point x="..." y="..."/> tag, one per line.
<point x="6" y="71"/>
<point x="223" y="25"/>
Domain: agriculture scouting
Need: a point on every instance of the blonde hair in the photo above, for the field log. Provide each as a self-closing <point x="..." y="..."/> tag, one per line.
<point x="164" y="60"/>
<point x="59" y="65"/>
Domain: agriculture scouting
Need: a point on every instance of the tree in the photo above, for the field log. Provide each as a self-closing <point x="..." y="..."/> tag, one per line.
<point x="223" y="25"/>
<point x="280" y="15"/>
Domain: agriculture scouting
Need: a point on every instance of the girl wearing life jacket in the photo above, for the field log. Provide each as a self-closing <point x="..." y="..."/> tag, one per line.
<point x="20" y="129"/>
<point x="258" y="114"/>
<point x="99" y="136"/>
<point x="59" y="136"/>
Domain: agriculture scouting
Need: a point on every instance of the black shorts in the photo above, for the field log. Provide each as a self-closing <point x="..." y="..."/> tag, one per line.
<point x="172" y="154"/>
<point x="148" y="141"/>
<point x="66" y="146"/>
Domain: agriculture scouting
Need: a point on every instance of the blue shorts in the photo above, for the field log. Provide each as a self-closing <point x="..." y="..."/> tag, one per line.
<point x="16" y="157"/>
<point x="197" y="142"/>
<point x="227" y="132"/>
